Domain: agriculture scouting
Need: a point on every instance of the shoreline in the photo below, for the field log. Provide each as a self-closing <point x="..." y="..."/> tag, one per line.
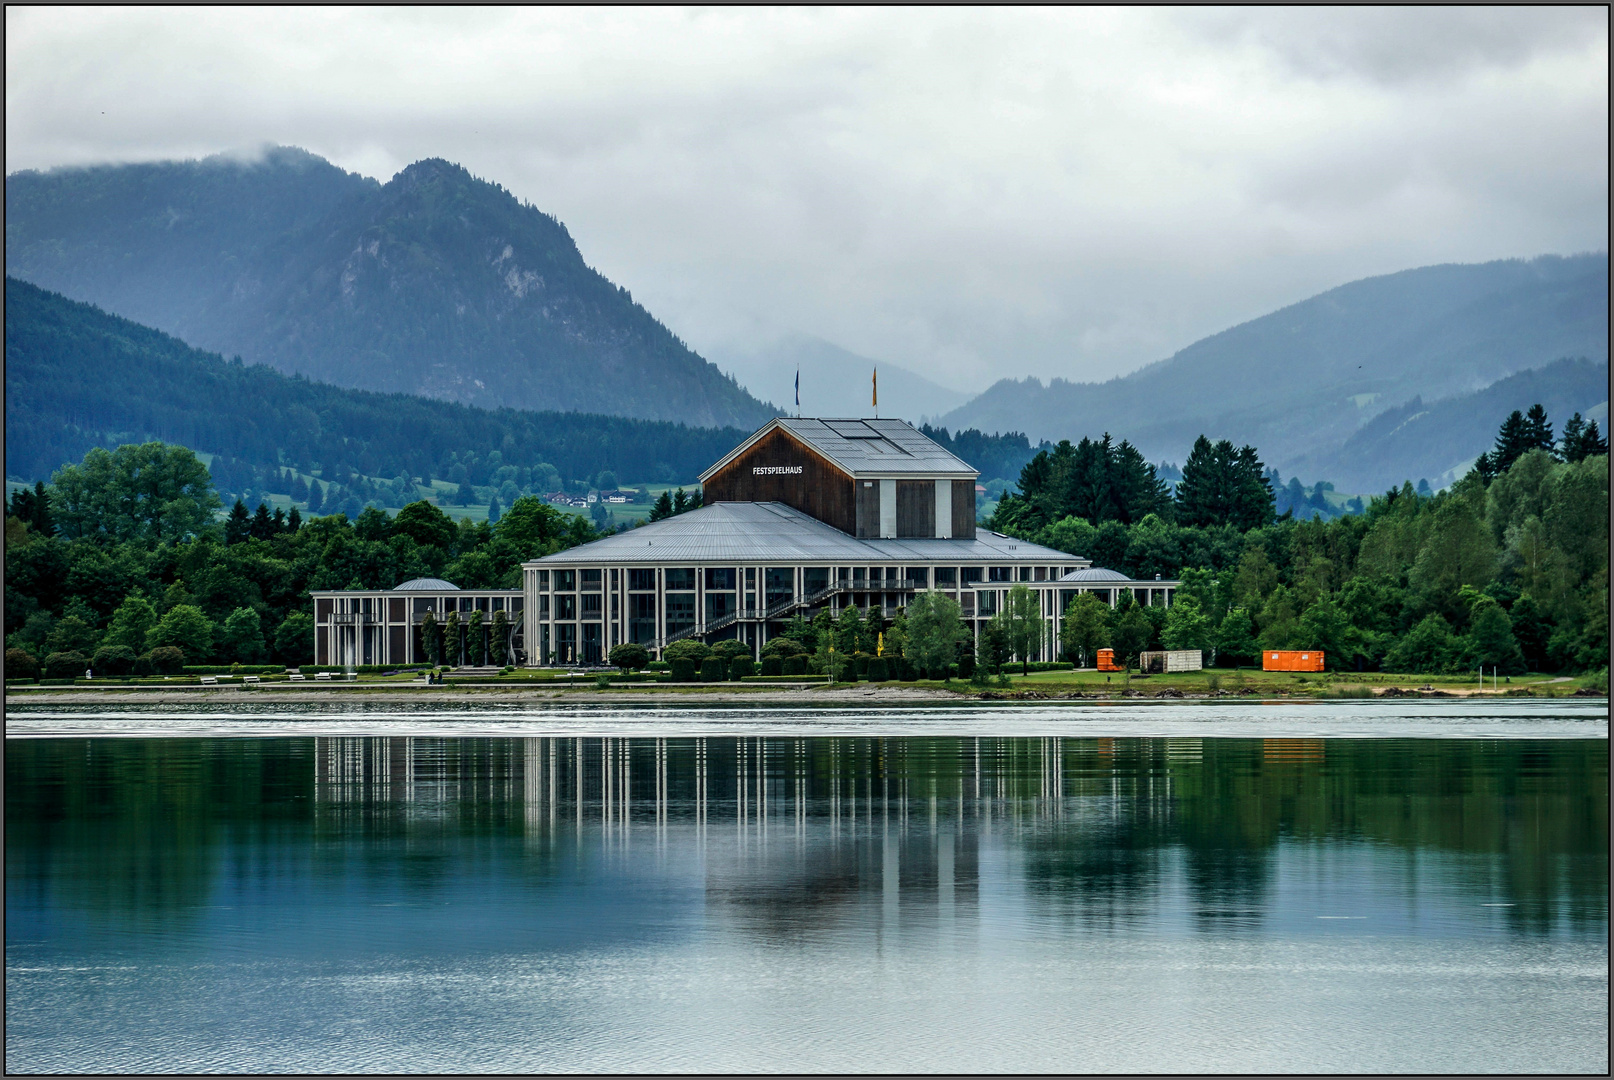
<point x="818" y="694"/>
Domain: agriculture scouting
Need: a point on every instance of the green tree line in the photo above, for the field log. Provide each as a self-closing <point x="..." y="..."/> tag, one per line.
<point x="1508" y="568"/>
<point x="122" y="559"/>
<point x="78" y="378"/>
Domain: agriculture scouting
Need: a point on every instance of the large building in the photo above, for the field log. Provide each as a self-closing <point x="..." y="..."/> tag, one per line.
<point x="803" y="516"/>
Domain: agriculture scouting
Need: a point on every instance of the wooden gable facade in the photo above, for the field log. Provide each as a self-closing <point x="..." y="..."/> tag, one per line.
<point x="781" y="468"/>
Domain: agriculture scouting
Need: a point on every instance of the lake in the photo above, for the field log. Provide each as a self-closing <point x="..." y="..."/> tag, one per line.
<point x="1339" y="886"/>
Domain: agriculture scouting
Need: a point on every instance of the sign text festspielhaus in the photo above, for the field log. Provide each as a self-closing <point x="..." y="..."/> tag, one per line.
<point x="776" y="470"/>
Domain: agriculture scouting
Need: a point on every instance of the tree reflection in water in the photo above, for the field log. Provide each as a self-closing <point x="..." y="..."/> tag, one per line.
<point x="785" y="833"/>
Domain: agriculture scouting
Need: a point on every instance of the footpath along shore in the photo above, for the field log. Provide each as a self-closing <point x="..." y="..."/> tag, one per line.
<point x="886" y="693"/>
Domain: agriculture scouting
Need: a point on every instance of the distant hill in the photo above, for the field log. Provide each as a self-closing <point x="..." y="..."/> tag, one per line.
<point x="1439" y="441"/>
<point x="77" y="377"/>
<point x="834" y="381"/>
<point x="434" y="283"/>
<point x="1300" y="382"/>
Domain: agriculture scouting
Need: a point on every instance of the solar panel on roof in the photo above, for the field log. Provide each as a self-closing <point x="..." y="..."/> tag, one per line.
<point x="852" y="429"/>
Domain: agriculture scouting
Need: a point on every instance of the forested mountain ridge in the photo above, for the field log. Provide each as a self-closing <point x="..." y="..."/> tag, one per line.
<point x="434" y="283"/>
<point x="1300" y="381"/>
<point x="77" y="377"/>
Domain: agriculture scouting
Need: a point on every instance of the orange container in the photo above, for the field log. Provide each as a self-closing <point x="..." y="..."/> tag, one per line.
<point x="1106" y="660"/>
<point x="1292" y="660"/>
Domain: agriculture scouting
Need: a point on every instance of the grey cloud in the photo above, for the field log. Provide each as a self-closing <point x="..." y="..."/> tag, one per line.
<point x="971" y="194"/>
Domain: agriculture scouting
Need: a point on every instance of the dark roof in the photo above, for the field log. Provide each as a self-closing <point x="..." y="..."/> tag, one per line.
<point x="865" y="447"/>
<point x="752" y="532"/>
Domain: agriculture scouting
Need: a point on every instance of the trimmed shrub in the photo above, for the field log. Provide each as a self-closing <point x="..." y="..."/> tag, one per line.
<point x="714" y="669"/>
<point x="167" y="660"/>
<point x="21" y="665"/>
<point x="771" y="665"/>
<point x="740" y="667"/>
<point x="875" y="669"/>
<point x="729" y="648"/>
<point x="143" y="668"/>
<point x="65" y="665"/>
<point x="794" y="665"/>
<point x="630" y="657"/>
<point x="860" y="664"/>
<point x="114" y="660"/>
<point x="683" y="670"/>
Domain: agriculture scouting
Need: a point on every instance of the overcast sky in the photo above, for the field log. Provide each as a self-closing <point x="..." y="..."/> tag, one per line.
<point x="969" y="193"/>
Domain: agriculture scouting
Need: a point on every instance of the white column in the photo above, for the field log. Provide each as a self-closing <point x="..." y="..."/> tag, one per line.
<point x="888" y="509"/>
<point x="944" y="509"/>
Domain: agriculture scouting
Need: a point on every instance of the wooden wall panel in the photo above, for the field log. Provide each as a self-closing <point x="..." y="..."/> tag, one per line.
<point x="396" y="638"/>
<point x="964" y="509"/>
<point x="868" y="510"/>
<point x="821" y="490"/>
<point x="916" y="508"/>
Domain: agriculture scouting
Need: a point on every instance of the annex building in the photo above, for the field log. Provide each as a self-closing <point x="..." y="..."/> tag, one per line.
<point x="385" y="626"/>
<point x="803" y="516"/>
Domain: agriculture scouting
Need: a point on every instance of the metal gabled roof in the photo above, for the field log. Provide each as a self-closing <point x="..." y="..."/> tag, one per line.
<point x="864" y="447"/>
<point x="736" y="533"/>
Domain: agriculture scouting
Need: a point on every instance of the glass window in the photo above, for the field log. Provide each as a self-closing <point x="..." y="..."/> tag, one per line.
<point x="815" y="579"/>
<point x="642" y="607"/>
<point x="720" y="577"/>
<point x="680" y="579"/>
<point x="1025" y="573"/>
<point x="750" y="577"/>
<point x="918" y="576"/>
<point x="1000" y="573"/>
<point x="565" y="607"/>
<point x="719" y="605"/>
<point x="543" y="607"/>
<point x="543" y="579"/>
<point x="859" y="577"/>
<point x="515" y="603"/>
<point x="591" y="580"/>
<point x="971" y="574"/>
<point x="614" y="579"/>
<point x="591" y="605"/>
<point x="642" y="580"/>
<point x="989" y="602"/>
<point x="565" y="580"/>
<point x="616" y="604"/>
<point x="680" y="611"/>
<point x="780" y="582"/>
<point x="425" y="604"/>
<point x="946" y="575"/>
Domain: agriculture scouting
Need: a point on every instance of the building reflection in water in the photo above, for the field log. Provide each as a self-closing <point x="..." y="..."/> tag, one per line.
<point x="1092" y="829"/>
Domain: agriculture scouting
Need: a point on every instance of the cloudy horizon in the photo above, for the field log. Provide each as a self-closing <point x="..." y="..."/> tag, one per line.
<point x="970" y="194"/>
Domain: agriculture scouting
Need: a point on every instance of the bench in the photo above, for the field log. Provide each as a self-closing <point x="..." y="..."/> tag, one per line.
<point x="322" y="675"/>
<point x="250" y="678"/>
<point x="210" y="680"/>
<point x="296" y="677"/>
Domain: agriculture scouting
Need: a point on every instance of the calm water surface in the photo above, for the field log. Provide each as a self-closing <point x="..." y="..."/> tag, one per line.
<point x="1304" y="889"/>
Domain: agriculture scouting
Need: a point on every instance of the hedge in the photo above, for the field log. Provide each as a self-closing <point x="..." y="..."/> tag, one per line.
<point x="231" y="669"/>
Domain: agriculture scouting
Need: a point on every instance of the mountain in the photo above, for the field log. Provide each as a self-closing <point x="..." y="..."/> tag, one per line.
<point x="834" y="381"/>
<point x="1439" y="440"/>
<point x="1298" y="383"/>
<point x="77" y="377"/>
<point x="434" y="283"/>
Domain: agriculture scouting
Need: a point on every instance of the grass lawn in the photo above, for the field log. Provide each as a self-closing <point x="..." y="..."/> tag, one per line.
<point x="1259" y="683"/>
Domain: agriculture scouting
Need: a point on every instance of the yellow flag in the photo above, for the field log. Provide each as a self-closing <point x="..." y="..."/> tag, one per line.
<point x="876" y="391"/>
<point x="879" y="645"/>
